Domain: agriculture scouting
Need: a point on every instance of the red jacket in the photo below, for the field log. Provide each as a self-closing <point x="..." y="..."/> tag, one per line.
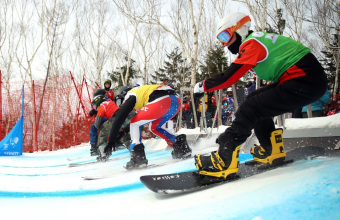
<point x="107" y="108"/>
<point x="110" y="94"/>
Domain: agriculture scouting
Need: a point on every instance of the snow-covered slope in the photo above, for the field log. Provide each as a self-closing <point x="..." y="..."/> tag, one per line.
<point x="42" y="186"/>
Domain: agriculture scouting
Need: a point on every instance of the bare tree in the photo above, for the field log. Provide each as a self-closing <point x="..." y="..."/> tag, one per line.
<point x="258" y="10"/>
<point x="91" y="17"/>
<point x="32" y="39"/>
<point x="56" y="47"/>
<point x="326" y="23"/>
<point x="220" y="7"/>
<point x="185" y="27"/>
<point x="148" y="38"/>
<point x="9" y="39"/>
<point x="296" y="15"/>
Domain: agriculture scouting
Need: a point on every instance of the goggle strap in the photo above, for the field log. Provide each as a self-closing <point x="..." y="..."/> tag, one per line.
<point x="232" y="29"/>
<point x="240" y="23"/>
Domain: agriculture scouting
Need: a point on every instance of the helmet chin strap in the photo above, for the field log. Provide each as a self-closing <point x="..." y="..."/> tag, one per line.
<point x="234" y="47"/>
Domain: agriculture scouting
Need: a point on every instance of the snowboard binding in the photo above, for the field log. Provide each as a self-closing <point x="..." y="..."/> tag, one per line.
<point x="274" y="155"/>
<point x="213" y="166"/>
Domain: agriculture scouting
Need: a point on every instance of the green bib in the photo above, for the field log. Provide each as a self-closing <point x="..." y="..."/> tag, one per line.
<point x="282" y="53"/>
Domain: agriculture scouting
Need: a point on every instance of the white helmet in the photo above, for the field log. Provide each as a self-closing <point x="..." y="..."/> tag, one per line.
<point x="229" y="89"/>
<point x="235" y="22"/>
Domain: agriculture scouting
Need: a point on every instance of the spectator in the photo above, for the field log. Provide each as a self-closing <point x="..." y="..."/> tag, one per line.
<point x="166" y="82"/>
<point x="251" y="86"/>
<point x="185" y="110"/>
<point x="316" y="106"/>
<point x="109" y="93"/>
<point x="229" y="99"/>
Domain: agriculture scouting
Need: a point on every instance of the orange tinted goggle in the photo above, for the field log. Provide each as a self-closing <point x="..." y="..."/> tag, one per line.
<point x="225" y="36"/>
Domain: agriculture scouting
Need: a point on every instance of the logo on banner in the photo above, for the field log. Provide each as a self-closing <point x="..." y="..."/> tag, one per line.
<point x="12" y="143"/>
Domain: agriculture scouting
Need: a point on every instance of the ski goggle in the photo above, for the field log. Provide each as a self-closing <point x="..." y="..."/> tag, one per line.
<point x="225" y="36"/>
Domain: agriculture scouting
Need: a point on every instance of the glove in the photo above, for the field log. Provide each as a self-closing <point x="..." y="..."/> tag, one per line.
<point x="93" y="112"/>
<point x="104" y="154"/>
<point x="120" y="135"/>
<point x="109" y="148"/>
<point x="199" y="90"/>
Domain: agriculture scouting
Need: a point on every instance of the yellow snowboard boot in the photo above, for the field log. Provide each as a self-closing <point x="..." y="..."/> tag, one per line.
<point x="213" y="165"/>
<point x="275" y="154"/>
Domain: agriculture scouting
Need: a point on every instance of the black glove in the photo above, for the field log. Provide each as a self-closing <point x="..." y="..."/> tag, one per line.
<point x="93" y="112"/>
<point x="109" y="148"/>
<point x="120" y="135"/>
<point x="104" y="156"/>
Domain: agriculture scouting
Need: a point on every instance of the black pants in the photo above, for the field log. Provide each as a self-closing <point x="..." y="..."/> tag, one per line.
<point x="261" y="105"/>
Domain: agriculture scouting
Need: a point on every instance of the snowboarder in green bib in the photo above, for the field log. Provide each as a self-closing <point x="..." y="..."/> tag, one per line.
<point x="298" y="78"/>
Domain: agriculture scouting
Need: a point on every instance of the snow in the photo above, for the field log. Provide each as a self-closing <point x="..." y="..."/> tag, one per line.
<point x="332" y="121"/>
<point x="42" y="186"/>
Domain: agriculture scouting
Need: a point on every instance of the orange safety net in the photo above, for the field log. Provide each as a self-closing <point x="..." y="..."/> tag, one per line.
<point x="50" y="111"/>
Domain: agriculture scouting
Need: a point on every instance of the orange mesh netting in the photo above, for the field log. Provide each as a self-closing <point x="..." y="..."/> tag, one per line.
<point x="54" y="119"/>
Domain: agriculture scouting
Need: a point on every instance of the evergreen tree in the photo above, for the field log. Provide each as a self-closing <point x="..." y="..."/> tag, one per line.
<point x="117" y="78"/>
<point x="175" y="68"/>
<point x="215" y="62"/>
<point x="329" y="64"/>
<point x="158" y="76"/>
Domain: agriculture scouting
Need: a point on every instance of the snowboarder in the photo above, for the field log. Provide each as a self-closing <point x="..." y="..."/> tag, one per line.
<point x="155" y="104"/>
<point x="106" y="109"/>
<point x="93" y="112"/>
<point x="299" y="80"/>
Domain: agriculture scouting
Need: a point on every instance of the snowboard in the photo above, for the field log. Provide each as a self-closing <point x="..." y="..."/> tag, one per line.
<point x="192" y="180"/>
<point x="88" y="163"/>
<point x="149" y="166"/>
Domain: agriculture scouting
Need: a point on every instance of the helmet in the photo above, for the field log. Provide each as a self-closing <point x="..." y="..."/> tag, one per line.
<point x="121" y="91"/>
<point x="120" y="94"/>
<point x="99" y="96"/>
<point x="229" y="92"/>
<point x="235" y="22"/>
<point x="109" y="82"/>
<point x="136" y="85"/>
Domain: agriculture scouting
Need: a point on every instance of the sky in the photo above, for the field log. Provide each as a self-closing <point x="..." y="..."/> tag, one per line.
<point x="41" y="185"/>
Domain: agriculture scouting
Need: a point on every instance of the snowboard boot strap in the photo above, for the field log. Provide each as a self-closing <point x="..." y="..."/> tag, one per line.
<point x="104" y="152"/>
<point x="274" y="156"/>
<point x="138" y="159"/>
<point x="220" y="168"/>
<point x="93" y="150"/>
<point x="181" y="149"/>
